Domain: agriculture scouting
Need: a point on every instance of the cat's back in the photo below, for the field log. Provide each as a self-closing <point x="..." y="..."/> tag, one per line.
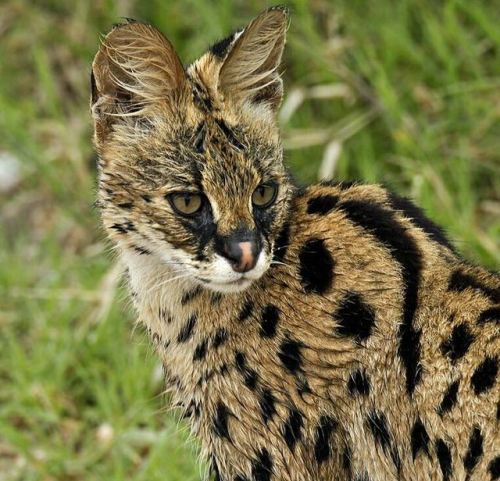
<point x="376" y="313"/>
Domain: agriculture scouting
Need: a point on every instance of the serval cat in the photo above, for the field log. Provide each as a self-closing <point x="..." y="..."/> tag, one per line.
<point x="321" y="333"/>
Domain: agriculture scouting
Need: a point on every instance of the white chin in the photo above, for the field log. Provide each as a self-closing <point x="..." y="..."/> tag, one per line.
<point x="228" y="287"/>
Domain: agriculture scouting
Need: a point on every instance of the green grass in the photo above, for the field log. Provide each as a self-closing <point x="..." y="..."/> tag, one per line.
<point x="80" y="395"/>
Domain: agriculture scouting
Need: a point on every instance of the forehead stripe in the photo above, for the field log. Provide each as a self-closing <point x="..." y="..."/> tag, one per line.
<point x="229" y="135"/>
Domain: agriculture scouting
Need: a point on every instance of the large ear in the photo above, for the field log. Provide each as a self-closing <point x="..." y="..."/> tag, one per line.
<point x="250" y="70"/>
<point x="135" y="67"/>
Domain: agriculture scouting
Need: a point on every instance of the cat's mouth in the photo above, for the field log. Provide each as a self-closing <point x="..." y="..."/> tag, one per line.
<point x="235" y="285"/>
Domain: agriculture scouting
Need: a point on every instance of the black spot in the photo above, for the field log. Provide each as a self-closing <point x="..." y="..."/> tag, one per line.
<point x="229" y="134"/>
<point x="362" y="477"/>
<point x="459" y="342"/>
<point x="240" y="478"/>
<point x="249" y="375"/>
<point x="187" y="330"/>
<point x="494" y="468"/>
<point x="359" y="383"/>
<point x="269" y="322"/>
<point x="355" y="318"/>
<point x="220" y="421"/>
<point x="267" y="405"/>
<point x="126" y="205"/>
<point x="316" y="266"/>
<point x="324" y="430"/>
<point x="190" y="295"/>
<point x="262" y="467"/>
<point x="220" y="49"/>
<point x="490" y="315"/>
<point x="474" y="451"/>
<point x="459" y="282"/>
<point x="146" y="198"/>
<point x="346" y="461"/>
<point x="142" y="251"/>
<point x="290" y="355"/>
<point x="444" y="458"/>
<point x="215" y="469"/>
<point x="449" y="398"/>
<point x="382" y="224"/>
<point x="419" y="439"/>
<point x="200" y="351"/>
<point x="220" y="337"/>
<point x="246" y="311"/>
<point x="378" y="426"/>
<point x="217" y="297"/>
<point x="419" y="219"/>
<point x="281" y="243"/>
<point x="292" y="428"/>
<point x="122" y="228"/>
<point x="484" y="376"/>
<point x="199" y="138"/>
<point x="322" y="204"/>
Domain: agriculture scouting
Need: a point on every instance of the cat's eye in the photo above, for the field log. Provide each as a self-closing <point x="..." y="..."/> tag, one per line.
<point x="186" y="203"/>
<point x="264" y="195"/>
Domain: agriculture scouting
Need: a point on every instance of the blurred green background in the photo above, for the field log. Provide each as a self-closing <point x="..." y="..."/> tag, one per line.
<point x="402" y="92"/>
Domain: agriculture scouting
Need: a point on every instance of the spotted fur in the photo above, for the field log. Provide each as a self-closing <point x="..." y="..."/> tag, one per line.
<point x="359" y="347"/>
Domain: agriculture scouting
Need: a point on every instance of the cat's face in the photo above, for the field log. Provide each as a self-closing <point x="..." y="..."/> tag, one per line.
<point x="191" y="166"/>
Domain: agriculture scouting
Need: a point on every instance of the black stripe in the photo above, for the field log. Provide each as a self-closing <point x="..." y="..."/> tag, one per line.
<point x="474" y="451"/>
<point x="419" y="219"/>
<point x="460" y="281"/>
<point x="382" y="224"/>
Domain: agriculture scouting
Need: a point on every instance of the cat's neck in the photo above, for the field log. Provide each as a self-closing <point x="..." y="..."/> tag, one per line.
<point x="172" y="308"/>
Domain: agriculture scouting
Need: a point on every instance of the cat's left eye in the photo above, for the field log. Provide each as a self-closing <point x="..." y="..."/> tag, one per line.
<point x="186" y="203"/>
<point x="264" y="195"/>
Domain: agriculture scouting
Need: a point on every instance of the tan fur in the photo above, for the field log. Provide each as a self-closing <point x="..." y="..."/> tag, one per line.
<point x="323" y="367"/>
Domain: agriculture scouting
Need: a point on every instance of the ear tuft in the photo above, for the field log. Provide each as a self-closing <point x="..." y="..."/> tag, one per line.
<point x="250" y="70"/>
<point x="135" y="66"/>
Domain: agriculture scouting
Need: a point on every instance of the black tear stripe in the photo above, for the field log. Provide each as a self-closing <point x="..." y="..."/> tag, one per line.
<point x="220" y="421"/>
<point x="322" y="447"/>
<point x="474" y="450"/>
<point x="187" y="330"/>
<point x="383" y="225"/>
<point x="485" y="375"/>
<point x="444" y="457"/>
<point x="281" y="243"/>
<point x="292" y="430"/>
<point x="459" y="342"/>
<point x="419" y="439"/>
<point x="262" y="466"/>
<point x="449" y="398"/>
<point x="420" y="220"/>
<point x="460" y="281"/>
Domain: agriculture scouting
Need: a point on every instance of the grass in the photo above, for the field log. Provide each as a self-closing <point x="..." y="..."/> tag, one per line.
<point x="406" y="93"/>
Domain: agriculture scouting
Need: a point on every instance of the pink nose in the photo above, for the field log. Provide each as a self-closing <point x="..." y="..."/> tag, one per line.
<point x="241" y="255"/>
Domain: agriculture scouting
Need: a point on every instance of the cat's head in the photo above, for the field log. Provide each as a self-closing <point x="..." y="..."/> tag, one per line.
<point x="190" y="160"/>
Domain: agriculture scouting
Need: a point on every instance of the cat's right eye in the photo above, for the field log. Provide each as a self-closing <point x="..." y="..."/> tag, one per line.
<point x="186" y="203"/>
